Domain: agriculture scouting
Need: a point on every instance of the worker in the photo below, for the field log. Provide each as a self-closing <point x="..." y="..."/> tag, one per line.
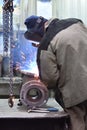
<point x="62" y="62"/>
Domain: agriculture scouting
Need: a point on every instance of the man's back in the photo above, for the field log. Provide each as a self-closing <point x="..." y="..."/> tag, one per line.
<point x="71" y="52"/>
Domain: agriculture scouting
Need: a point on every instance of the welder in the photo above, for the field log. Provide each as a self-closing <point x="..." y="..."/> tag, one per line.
<point x="62" y="62"/>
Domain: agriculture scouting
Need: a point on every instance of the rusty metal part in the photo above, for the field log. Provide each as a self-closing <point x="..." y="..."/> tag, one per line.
<point x="34" y="94"/>
<point x="11" y="101"/>
<point x="8" y="5"/>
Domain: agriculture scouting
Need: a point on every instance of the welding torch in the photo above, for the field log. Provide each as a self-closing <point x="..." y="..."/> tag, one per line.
<point x="30" y="75"/>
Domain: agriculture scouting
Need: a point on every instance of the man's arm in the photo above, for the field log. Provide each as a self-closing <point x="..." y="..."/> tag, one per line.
<point x="48" y="66"/>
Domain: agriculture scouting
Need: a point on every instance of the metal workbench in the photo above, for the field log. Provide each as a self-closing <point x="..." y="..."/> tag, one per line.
<point x="17" y="118"/>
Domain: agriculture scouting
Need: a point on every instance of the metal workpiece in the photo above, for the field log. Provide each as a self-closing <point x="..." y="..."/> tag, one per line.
<point x="34" y="94"/>
<point x="43" y="110"/>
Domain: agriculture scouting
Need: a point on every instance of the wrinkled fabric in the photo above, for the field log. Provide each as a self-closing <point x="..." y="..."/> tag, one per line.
<point x="65" y="64"/>
<point x="78" y="115"/>
<point x="54" y="27"/>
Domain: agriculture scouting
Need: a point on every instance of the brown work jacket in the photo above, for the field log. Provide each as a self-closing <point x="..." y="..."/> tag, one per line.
<point x="65" y="63"/>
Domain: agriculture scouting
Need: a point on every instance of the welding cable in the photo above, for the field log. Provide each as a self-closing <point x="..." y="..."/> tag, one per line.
<point x="34" y="94"/>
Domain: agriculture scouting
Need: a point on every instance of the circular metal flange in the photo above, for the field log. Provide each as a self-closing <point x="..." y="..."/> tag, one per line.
<point x="34" y="94"/>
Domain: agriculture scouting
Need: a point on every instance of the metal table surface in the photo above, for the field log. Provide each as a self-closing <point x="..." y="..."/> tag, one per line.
<point x="21" y="111"/>
<point x="17" y="117"/>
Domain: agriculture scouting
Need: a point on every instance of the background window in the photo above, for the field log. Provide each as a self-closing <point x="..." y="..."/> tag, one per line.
<point x="44" y="8"/>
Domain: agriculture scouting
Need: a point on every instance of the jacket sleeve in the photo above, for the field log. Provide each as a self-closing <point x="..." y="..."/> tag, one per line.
<point x="49" y="70"/>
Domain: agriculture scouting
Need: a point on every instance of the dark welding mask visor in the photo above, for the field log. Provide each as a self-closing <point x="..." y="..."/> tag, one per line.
<point x="33" y="36"/>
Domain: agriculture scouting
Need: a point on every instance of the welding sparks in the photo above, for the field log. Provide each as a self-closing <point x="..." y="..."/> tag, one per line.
<point x="25" y="56"/>
<point x="30" y="67"/>
<point x="28" y="64"/>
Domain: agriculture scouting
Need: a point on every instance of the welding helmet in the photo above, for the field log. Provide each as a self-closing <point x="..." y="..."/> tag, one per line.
<point x="35" y="28"/>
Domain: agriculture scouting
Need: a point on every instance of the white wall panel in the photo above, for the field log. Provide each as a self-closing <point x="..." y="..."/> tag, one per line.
<point x="27" y="8"/>
<point x="70" y="8"/>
